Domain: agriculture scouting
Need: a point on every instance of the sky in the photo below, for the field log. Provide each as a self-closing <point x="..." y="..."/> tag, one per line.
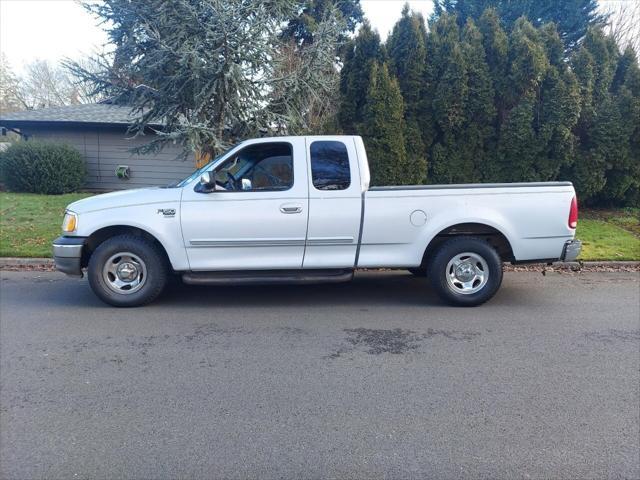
<point x="55" y="29"/>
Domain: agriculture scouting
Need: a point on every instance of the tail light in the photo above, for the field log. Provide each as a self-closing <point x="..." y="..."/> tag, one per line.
<point x="573" y="213"/>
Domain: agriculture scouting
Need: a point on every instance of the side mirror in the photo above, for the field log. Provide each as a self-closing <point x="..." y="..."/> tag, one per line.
<point x="208" y="180"/>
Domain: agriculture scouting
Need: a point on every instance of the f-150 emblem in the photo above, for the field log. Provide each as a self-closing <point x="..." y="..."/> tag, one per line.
<point x="167" y="212"/>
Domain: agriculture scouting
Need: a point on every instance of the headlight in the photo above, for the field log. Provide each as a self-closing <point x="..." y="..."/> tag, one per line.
<point x="70" y="222"/>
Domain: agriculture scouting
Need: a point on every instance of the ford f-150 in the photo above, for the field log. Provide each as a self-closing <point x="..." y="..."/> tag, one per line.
<point x="300" y="209"/>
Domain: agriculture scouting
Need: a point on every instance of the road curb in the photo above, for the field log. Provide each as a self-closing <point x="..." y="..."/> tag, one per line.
<point x="17" y="262"/>
<point x="20" y="261"/>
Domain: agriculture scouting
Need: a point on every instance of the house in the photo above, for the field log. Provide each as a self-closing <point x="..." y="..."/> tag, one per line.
<point x="99" y="132"/>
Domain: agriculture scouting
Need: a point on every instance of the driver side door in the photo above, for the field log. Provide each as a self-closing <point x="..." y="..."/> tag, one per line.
<point x="256" y="218"/>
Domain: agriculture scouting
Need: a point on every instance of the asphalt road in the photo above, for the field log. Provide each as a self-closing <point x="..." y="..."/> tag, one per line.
<point x="373" y="379"/>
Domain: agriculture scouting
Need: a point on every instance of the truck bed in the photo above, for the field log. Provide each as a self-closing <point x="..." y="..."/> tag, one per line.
<point x="399" y="221"/>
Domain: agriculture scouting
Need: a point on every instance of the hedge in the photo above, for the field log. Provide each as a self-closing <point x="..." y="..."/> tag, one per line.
<point x="40" y="167"/>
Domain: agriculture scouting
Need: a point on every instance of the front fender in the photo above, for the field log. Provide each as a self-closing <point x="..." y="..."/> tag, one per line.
<point x="155" y="219"/>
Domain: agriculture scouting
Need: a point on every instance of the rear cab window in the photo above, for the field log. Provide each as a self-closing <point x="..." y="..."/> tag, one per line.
<point x="330" y="168"/>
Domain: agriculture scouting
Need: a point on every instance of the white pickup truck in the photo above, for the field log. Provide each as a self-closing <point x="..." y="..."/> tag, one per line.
<point x="299" y="209"/>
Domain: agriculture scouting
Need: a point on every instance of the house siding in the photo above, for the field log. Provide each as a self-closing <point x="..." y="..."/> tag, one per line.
<point x="104" y="149"/>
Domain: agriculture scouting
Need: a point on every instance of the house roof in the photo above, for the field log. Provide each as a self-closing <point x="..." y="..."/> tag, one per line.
<point x="89" y="114"/>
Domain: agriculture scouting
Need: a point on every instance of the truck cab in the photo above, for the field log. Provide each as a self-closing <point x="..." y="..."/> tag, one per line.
<point x="284" y="203"/>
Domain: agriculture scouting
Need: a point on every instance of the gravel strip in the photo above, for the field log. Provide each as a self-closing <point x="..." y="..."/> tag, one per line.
<point x="577" y="267"/>
<point x="47" y="265"/>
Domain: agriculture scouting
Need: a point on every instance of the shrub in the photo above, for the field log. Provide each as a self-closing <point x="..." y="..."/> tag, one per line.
<point x="39" y="167"/>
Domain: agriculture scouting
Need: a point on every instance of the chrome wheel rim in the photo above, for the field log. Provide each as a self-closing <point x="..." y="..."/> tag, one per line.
<point x="467" y="273"/>
<point x="124" y="273"/>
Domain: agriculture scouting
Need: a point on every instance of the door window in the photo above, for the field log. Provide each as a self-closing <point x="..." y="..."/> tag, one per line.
<point x="330" y="165"/>
<point x="260" y="167"/>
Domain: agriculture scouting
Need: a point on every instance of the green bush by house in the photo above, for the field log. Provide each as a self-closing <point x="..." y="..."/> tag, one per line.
<point x="39" y="167"/>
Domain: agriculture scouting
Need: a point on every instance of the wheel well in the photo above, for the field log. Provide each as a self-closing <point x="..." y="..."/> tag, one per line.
<point x="491" y="235"/>
<point x="99" y="236"/>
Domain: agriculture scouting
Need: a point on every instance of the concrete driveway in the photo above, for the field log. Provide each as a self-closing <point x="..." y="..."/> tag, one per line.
<point x="373" y="379"/>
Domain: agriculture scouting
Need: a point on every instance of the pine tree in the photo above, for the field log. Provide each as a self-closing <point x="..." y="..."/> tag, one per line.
<point x="303" y="26"/>
<point x="407" y="57"/>
<point x="479" y="132"/>
<point x="355" y="77"/>
<point x="496" y="48"/>
<point x="443" y="36"/>
<point x="518" y="146"/>
<point x="528" y="61"/>
<point x="207" y="68"/>
<point x="623" y="175"/>
<point x="449" y="162"/>
<point x="557" y="111"/>
<point x="384" y="129"/>
<point x="600" y="129"/>
<point x="572" y="17"/>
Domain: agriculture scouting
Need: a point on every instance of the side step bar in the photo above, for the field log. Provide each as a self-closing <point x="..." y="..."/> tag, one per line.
<point x="262" y="277"/>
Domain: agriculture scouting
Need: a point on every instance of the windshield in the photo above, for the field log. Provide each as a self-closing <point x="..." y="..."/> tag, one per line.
<point x="198" y="172"/>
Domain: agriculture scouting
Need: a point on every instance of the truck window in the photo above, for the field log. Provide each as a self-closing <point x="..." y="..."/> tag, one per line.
<point x="260" y="167"/>
<point x="330" y="165"/>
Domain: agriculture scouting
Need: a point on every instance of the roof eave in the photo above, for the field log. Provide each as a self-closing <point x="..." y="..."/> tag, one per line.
<point x="49" y="123"/>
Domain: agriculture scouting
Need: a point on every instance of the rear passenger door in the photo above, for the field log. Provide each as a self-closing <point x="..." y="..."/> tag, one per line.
<point x="335" y="203"/>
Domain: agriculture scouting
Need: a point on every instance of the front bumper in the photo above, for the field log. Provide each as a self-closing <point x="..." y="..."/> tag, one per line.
<point x="571" y="250"/>
<point x="67" y="253"/>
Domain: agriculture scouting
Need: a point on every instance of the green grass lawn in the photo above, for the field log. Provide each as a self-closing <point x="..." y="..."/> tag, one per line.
<point x="28" y="224"/>
<point x="610" y="234"/>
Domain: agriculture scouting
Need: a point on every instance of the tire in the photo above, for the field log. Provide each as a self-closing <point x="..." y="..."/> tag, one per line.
<point x="127" y="271"/>
<point x="476" y="278"/>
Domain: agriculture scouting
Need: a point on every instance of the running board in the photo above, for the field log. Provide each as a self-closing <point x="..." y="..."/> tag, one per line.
<point x="262" y="277"/>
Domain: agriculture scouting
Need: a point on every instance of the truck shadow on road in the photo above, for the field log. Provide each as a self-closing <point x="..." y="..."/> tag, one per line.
<point x="367" y="290"/>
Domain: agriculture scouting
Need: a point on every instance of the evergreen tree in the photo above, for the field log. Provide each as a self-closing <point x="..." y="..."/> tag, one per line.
<point x="355" y="77"/>
<point x="207" y="68"/>
<point x="572" y="17"/>
<point x="407" y="57"/>
<point x="494" y="104"/>
<point x="496" y="48"/>
<point x="518" y="149"/>
<point x="448" y="161"/>
<point x="461" y="106"/>
<point x="557" y="111"/>
<point x="528" y="61"/>
<point x="303" y="27"/>
<point x="601" y="130"/>
<point x="623" y="174"/>
<point x="443" y="37"/>
<point x="384" y="130"/>
<point x="478" y="136"/>
<point x="542" y="106"/>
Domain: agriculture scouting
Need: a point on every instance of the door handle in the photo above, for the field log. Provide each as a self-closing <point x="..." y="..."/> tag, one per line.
<point x="290" y="209"/>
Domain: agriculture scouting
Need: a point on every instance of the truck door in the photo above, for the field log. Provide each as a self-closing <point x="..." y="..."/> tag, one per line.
<point x="256" y="218"/>
<point x="335" y="203"/>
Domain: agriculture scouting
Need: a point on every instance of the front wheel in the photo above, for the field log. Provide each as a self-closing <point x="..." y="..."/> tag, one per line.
<point x="465" y="271"/>
<point x="127" y="271"/>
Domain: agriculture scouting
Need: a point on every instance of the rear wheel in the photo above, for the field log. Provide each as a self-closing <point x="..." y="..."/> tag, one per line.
<point x="466" y="271"/>
<point x="127" y="271"/>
